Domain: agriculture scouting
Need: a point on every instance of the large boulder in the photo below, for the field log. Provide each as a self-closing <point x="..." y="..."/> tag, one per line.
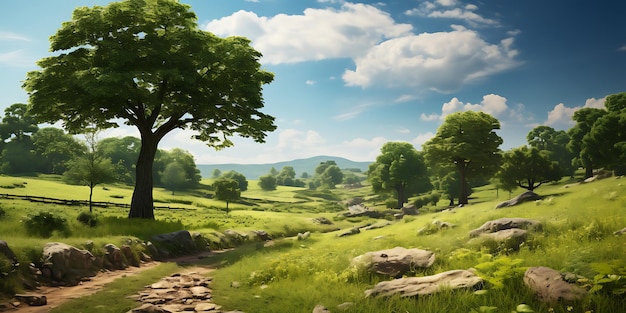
<point x="67" y="264"/>
<point x="526" y="196"/>
<point x="394" y="262"/>
<point x="418" y="286"/>
<point x="549" y="285"/>
<point x="511" y="238"/>
<point x="506" y="223"/>
<point x="8" y="253"/>
<point x="178" y="242"/>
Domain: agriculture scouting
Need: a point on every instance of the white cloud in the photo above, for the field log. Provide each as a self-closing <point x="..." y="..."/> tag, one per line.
<point x="560" y="117"/>
<point x="421" y="139"/>
<point x="622" y="48"/>
<point x="317" y="34"/>
<point x="310" y="82"/>
<point x="430" y="117"/>
<point x="12" y="36"/>
<point x="452" y="9"/>
<point x="17" y="58"/>
<point x="404" y="98"/>
<point x="442" y="61"/>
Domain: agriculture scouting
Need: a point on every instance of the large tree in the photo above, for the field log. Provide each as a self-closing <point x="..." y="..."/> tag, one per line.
<point x="466" y="142"/>
<point x="399" y="169"/>
<point x="554" y="142"/>
<point x="146" y="63"/>
<point x="528" y="168"/>
<point x="584" y="118"/>
<point x="55" y="148"/>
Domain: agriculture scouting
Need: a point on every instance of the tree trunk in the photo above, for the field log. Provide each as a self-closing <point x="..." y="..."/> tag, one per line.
<point x="401" y="197"/>
<point x="142" y="203"/>
<point x="463" y="191"/>
<point x="588" y="168"/>
<point x="90" y="197"/>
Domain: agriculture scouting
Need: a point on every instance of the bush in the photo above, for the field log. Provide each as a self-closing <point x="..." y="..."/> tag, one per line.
<point x="3" y="213"/>
<point x="87" y="218"/>
<point x="44" y="224"/>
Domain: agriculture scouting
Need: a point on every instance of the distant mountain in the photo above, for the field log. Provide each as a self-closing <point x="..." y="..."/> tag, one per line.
<point x="254" y="171"/>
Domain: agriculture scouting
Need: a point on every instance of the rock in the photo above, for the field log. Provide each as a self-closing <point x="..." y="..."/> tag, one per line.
<point x="395" y="262"/>
<point x="115" y="257"/>
<point x="442" y="225"/>
<point x="549" y="285"/>
<point x="4" y="249"/>
<point x="345" y="306"/>
<point x="320" y="309"/>
<point x="507" y="234"/>
<point x="304" y="236"/>
<point x="418" y="286"/>
<point x="322" y="220"/>
<point x="179" y="242"/>
<point x="620" y="232"/>
<point x="234" y="237"/>
<point x="32" y="299"/>
<point x="410" y="210"/>
<point x="506" y="223"/>
<point x="361" y="210"/>
<point x="377" y="225"/>
<point x="350" y="232"/>
<point x="262" y="235"/>
<point x="526" y="196"/>
<point x="64" y="263"/>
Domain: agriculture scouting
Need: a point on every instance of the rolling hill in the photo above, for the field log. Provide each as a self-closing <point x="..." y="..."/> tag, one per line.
<point x="254" y="171"/>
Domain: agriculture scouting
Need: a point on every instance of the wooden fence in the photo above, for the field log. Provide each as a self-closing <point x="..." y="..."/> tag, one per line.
<point x="48" y="200"/>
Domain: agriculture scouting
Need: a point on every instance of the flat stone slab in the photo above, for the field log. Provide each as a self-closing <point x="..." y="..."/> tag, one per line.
<point x="506" y="223"/>
<point x="549" y="285"/>
<point x="419" y="286"/>
<point x="395" y="262"/>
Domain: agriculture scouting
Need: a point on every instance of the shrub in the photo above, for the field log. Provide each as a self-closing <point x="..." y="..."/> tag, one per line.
<point x="87" y="218"/>
<point x="3" y="213"/>
<point x="44" y="224"/>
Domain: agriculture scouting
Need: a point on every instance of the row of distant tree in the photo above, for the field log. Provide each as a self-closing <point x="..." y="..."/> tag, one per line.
<point x="27" y="149"/>
<point x="465" y="153"/>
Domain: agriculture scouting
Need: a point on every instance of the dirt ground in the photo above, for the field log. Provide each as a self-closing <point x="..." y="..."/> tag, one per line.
<point x="56" y="296"/>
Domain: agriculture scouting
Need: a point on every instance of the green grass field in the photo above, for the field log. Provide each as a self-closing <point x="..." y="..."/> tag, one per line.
<point x="294" y="276"/>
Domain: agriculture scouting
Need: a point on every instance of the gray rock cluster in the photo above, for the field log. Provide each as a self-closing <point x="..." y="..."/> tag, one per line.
<point x="188" y="292"/>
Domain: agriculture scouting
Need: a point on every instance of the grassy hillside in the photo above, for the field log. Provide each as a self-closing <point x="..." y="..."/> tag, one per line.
<point x="294" y="276"/>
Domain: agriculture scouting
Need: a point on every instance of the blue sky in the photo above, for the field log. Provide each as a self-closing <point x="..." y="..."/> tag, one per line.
<point x="352" y="75"/>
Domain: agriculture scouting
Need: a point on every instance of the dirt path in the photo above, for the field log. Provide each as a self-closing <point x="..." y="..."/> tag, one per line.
<point x="56" y="296"/>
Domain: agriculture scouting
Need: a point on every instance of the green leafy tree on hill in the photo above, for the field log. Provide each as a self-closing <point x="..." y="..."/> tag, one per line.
<point x="466" y="142"/>
<point x="399" y="169"/>
<point x="241" y="180"/>
<point x="528" y="168"/>
<point x="55" y="148"/>
<point x="554" y="143"/>
<point x="226" y="189"/>
<point x="267" y="182"/>
<point x="607" y="137"/>
<point x="146" y="63"/>
<point x="581" y="148"/>
<point x="16" y="130"/>
<point x="173" y="177"/>
<point x="91" y="168"/>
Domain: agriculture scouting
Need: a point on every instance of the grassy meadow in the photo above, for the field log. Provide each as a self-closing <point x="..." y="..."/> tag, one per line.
<point x="295" y="275"/>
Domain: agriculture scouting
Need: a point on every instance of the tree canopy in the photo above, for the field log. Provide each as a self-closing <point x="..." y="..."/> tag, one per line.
<point x="399" y="169"/>
<point x="554" y="142"/>
<point x="528" y="168"/>
<point x="146" y="63"/>
<point x="466" y="142"/>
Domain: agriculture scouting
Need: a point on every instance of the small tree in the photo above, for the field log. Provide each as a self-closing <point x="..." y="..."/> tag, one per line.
<point x="239" y="178"/>
<point x="528" y="168"/>
<point x="173" y="177"/>
<point x="398" y="169"/>
<point x="90" y="168"/>
<point x="226" y="189"/>
<point x="267" y="182"/>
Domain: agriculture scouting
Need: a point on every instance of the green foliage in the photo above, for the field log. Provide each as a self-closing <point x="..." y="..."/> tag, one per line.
<point x="501" y="271"/>
<point x="610" y="277"/>
<point x="528" y="168"/>
<point x="104" y="80"/>
<point x="240" y="178"/>
<point x="173" y="177"/>
<point x="3" y="213"/>
<point x="466" y="142"/>
<point x="87" y="218"/>
<point x="43" y="224"/>
<point x="399" y="169"/>
<point x="268" y="182"/>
